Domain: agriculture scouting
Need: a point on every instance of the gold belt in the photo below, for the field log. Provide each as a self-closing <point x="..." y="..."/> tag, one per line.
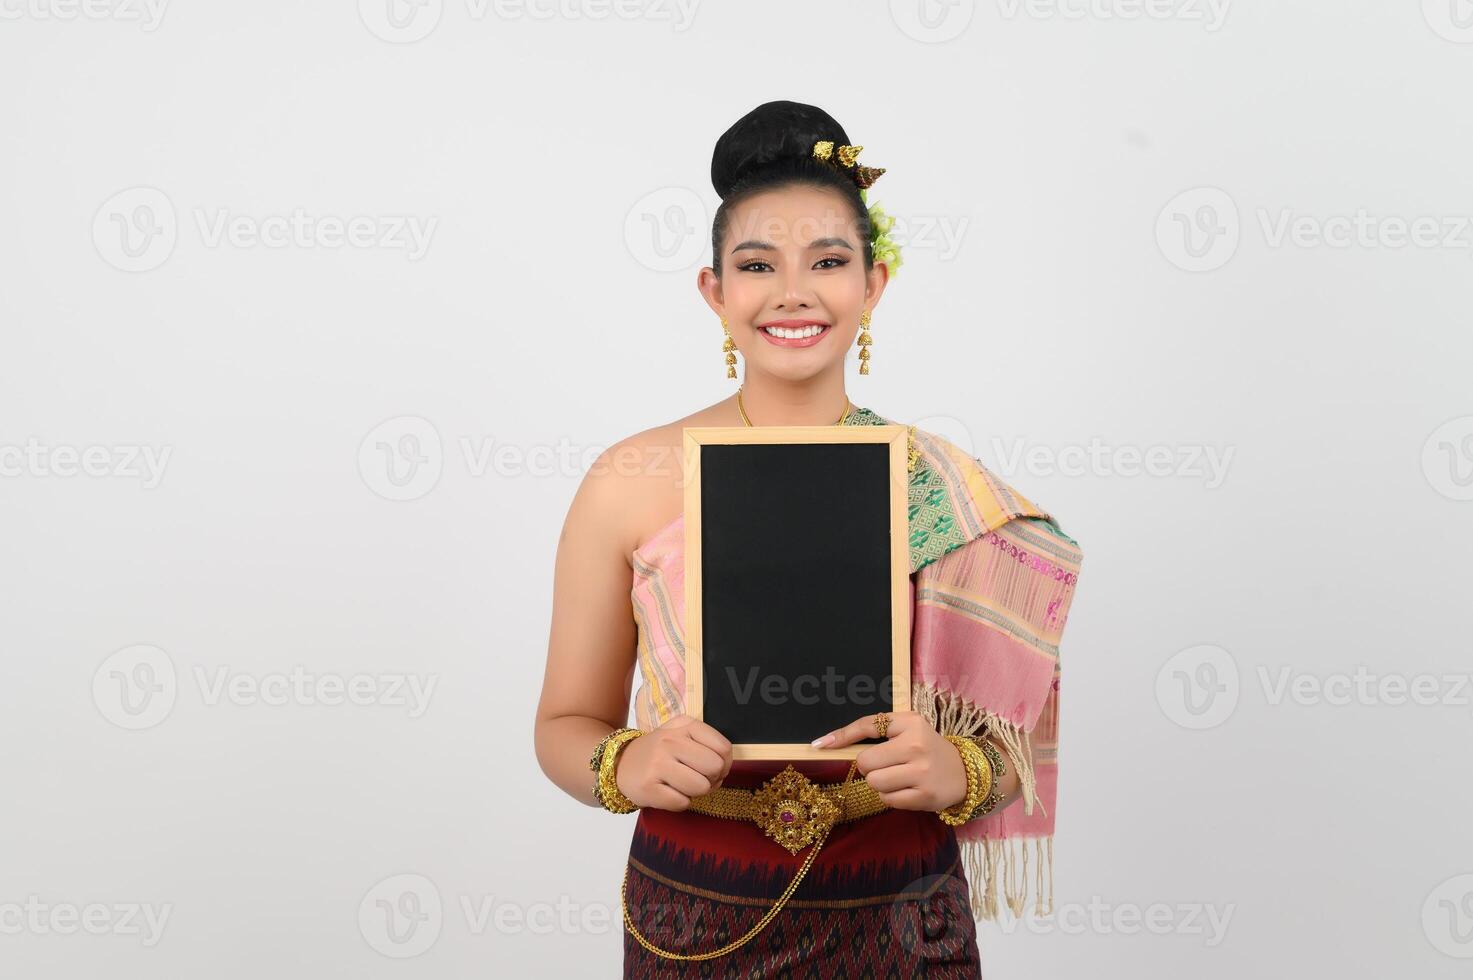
<point x="791" y="808"/>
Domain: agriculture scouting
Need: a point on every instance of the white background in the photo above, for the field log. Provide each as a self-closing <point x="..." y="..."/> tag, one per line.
<point x="1114" y="186"/>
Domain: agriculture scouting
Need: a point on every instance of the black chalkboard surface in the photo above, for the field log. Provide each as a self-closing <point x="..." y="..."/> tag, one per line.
<point x="796" y="582"/>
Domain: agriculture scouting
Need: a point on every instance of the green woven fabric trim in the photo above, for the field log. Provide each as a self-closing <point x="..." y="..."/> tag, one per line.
<point x="934" y="529"/>
<point x="1051" y="527"/>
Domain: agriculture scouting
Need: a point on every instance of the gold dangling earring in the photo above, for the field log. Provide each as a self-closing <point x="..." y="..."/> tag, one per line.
<point x="864" y="341"/>
<point x="729" y="348"/>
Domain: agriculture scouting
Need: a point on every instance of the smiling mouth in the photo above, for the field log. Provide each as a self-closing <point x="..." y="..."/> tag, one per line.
<point x="795" y="334"/>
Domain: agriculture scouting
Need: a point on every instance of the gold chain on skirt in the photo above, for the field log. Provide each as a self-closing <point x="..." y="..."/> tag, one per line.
<point x="821" y="825"/>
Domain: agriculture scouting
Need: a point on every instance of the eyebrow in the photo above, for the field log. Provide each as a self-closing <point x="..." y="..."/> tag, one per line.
<point x="816" y="243"/>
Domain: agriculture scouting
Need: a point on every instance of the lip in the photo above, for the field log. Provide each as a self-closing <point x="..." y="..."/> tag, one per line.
<point x="793" y="325"/>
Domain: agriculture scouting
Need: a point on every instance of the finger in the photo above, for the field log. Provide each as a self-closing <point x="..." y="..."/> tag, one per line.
<point x="901" y="722"/>
<point x="711" y="738"/>
<point x="662" y="797"/>
<point x="698" y="757"/>
<point x="681" y="720"/>
<point x="857" y="730"/>
<point x="891" y="779"/>
<point x="906" y="799"/>
<point x="682" y="778"/>
<point x="883" y="755"/>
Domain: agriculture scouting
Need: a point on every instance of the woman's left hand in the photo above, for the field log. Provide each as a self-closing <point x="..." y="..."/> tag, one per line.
<point x="915" y="768"/>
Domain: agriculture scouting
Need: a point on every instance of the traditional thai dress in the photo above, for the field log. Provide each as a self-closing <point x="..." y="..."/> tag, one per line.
<point x="896" y="893"/>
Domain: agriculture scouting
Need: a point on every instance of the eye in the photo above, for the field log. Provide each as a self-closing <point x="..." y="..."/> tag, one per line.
<point x="753" y="265"/>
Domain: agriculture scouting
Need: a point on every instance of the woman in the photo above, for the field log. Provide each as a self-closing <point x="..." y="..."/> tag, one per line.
<point x="884" y="885"/>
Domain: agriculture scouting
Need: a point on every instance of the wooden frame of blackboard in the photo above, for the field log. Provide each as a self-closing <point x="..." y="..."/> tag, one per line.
<point x="894" y="436"/>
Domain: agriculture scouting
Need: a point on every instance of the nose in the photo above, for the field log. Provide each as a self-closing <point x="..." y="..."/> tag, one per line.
<point x="796" y="293"/>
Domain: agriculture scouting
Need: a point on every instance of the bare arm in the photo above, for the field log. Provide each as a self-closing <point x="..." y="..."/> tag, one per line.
<point x="591" y="649"/>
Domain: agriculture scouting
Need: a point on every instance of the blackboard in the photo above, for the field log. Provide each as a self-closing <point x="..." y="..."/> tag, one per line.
<point x="796" y="582"/>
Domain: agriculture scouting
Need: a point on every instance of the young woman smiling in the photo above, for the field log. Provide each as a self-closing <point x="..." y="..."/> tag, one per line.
<point x="800" y="262"/>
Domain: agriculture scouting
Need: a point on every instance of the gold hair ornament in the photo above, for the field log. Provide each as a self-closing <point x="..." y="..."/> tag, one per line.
<point x="845" y="159"/>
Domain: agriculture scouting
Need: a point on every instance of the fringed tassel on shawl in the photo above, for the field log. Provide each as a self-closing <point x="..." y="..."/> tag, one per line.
<point x="988" y="860"/>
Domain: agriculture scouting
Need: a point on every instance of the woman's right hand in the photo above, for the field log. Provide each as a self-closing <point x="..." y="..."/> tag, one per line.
<point x="664" y="768"/>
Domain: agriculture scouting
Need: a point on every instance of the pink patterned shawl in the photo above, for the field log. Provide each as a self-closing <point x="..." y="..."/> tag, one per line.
<point x="992" y="578"/>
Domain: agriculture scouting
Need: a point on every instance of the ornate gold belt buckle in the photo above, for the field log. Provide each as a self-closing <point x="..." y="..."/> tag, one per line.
<point x="792" y="810"/>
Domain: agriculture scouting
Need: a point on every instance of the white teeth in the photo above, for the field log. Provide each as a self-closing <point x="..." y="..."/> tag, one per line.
<point x="811" y="330"/>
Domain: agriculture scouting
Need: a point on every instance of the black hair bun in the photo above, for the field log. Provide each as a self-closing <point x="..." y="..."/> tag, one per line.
<point x="772" y="131"/>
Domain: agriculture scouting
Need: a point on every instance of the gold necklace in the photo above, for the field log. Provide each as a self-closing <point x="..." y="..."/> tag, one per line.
<point x="748" y="422"/>
<point x="912" y="454"/>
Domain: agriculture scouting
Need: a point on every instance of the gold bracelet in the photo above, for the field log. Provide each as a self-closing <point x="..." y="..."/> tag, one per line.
<point x="598" y="752"/>
<point x="604" y="762"/>
<point x="608" y="793"/>
<point x="979" y="781"/>
<point x="999" y="770"/>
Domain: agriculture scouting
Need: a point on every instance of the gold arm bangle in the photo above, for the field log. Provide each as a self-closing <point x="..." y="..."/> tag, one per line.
<point x="999" y="770"/>
<point x="604" y="762"/>
<point x="979" y="781"/>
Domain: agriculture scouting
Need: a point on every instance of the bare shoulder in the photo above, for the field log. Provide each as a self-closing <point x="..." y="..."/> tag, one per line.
<point x="639" y="479"/>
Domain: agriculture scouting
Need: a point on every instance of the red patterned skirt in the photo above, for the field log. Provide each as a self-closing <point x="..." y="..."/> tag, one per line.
<point x="886" y="896"/>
